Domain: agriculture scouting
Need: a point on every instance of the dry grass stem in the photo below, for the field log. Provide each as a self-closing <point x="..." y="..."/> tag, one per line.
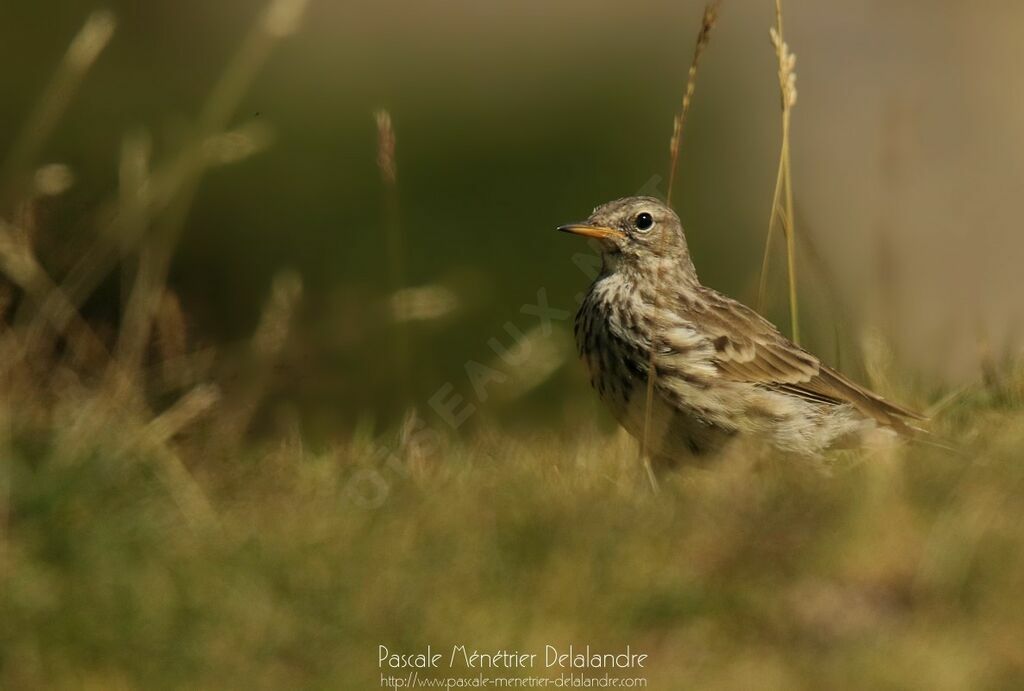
<point x="782" y="199"/>
<point x="387" y="164"/>
<point x="86" y="46"/>
<point x="272" y="333"/>
<point x="172" y="340"/>
<point x="423" y="303"/>
<point x="264" y="350"/>
<point x="708" y="21"/>
<point x="185" y="491"/>
<point x="52" y="180"/>
<point x="189" y="408"/>
<point x="18" y="262"/>
<point x="386" y="148"/>
<point x="280" y="20"/>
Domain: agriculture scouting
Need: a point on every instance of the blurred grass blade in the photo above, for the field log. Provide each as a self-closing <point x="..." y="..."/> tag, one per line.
<point x="388" y="167"/>
<point x="279" y="20"/>
<point x="86" y="46"/>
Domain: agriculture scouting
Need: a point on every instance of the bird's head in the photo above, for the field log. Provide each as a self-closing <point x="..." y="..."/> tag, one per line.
<point x="636" y="233"/>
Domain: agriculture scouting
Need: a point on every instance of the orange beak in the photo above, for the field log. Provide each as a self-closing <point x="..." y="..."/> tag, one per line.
<point x="592" y="231"/>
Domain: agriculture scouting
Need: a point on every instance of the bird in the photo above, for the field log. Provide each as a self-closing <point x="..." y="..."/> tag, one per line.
<point x="718" y="371"/>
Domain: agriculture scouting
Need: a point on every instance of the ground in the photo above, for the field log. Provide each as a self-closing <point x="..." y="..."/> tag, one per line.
<point x="887" y="569"/>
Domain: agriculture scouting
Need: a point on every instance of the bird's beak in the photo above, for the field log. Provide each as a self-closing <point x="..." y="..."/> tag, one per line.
<point x="592" y="231"/>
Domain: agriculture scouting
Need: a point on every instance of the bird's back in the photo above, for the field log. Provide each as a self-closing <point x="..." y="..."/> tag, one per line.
<point x="749" y="348"/>
<point x="720" y="370"/>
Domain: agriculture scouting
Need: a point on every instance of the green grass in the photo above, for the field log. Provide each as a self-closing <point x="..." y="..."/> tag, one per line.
<point x="901" y="568"/>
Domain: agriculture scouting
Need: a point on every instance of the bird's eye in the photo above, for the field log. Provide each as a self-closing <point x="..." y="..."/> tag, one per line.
<point x="644" y="221"/>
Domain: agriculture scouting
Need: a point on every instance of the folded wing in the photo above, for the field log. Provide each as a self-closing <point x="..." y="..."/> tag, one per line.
<point x="749" y="348"/>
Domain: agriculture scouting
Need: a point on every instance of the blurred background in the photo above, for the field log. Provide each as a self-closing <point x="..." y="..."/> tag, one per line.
<point x="512" y="118"/>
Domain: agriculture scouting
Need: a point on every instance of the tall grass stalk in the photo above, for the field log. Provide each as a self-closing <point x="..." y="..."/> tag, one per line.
<point x="80" y="56"/>
<point x="388" y="166"/>
<point x="708" y="21"/>
<point x="263" y="352"/>
<point x="279" y="20"/>
<point x="782" y="200"/>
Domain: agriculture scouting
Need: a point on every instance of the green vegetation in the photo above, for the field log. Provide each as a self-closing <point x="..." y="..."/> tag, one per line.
<point x="897" y="568"/>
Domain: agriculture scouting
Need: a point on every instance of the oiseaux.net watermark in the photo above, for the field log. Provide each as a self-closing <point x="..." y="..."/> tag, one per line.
<point x="369" y="486"/>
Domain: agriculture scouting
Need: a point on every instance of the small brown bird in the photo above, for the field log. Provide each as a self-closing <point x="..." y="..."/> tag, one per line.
<point x="722" y="371"/>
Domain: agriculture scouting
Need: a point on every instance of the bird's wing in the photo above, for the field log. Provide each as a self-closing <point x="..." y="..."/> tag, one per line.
<point x="749" y="348"/>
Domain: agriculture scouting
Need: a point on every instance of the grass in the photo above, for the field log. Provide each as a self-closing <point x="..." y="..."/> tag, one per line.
<point x="782" y="199"/>
<point x="146" y="541"/>
<point x="900" y="568"/>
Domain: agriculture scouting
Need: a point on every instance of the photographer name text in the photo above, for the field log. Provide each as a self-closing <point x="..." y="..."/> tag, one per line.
<point x="552" y="658"/>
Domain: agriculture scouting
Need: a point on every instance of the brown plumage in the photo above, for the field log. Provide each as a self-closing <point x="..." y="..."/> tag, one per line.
<point x="721" y="370"/>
